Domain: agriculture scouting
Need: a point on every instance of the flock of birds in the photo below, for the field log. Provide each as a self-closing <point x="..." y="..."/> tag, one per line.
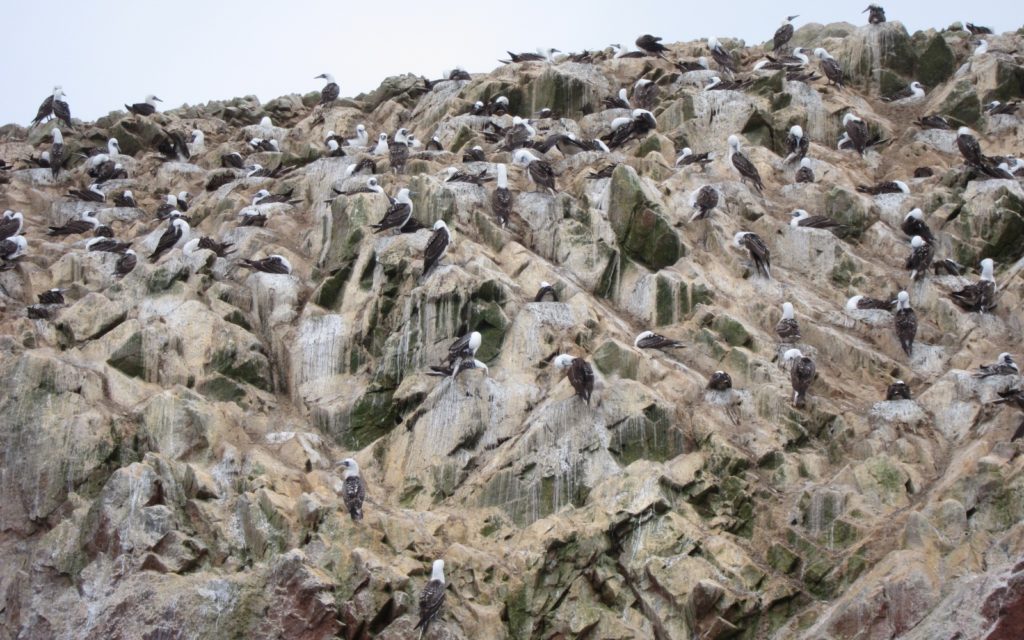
<point x="529" y="150"/>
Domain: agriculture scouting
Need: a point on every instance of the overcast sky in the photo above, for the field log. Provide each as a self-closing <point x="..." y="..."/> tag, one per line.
<point x="108" y="52"/>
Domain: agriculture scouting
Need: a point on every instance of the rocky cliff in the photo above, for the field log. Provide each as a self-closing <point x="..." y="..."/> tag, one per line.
<point x="169" y="438"/>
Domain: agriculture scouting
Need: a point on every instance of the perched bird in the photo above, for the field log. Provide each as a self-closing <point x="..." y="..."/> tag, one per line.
<point x="222" y="249"/>
<point x="914" y="225"/>
<point x="476" y="154"/>
<point x="876" y="14"/>
<point x="783" y="34"/>
<point x="432" y="597"/>
<point x="107" y="245"/>
<point x="805" y="174"/>
<point x="721" y="56"/>
<point x="397" y="214"/>
<point x="539" y="171"/>
<point x="948" y="266"/>
<point x="54" y="105"/>
<point x="996" y="108"/>
<point x="126" y="264"/>
<point x="645" y="93"/>
<point x="176" y="235"/>
<point x="265" y="197"/>
<point x="651" y="44"/>
<point x="146" y="108"/>
<point x="366" y="164"/>
<point x="530" y="56"/>
<point x="743" y="165"/>
<point x="198" y="142"/>
<point x="920" y="258"/>
<point x="981" y="295"/>
<point x="889" y="186"/>
<point x="362" y="139"/>
<point x="232" y="160"/>
<point x="11" y="224"/>
<point x="274" y="263"/>
<point x="976" y="29"/>
<point x="53" y="296"/>
<point x="968" y="146"/>
<point x="545" y="289"/>
<point x="86" y="222"/>
<point x="463" y="349"/>
<point x="687" y="157"/>
<point x="801" y="374"/>
<point x="173" y="146"/>
<point x="857" y="131"/>
<point x="639" y="123"/>
<point x="437" y="246"/>
<point x="704" y="200"/>
<point x="905" y="321"/>
<point x="797" y="144"/>
<point x="501" y="198"/>
<point x="933" y="122"/>
<point x="604" y="172"/>
<point x="382" y="145"/>
<point x="353" y="490"/>
<point x="830" y="67"/>
<point x="898" y="390"/>
<point x="581" y="375"/>
<point x="800" y="218"/>
<point x="168" y="207"/>
<point x="720" y="381"/>
<point x="717" y="84"/>
<point x="11" y="249"/>
<point x="861" y="303"/>
<point x="57" y="158"/>
<point x="787" y="328"/>
<point x="620" y="101"/>
<point x="1004" y="366"/>
<point x="757" y="249"/>
<point x="912" y="93"/>
<point x="92" y="194"/>
<point x="398" y="151"/>
<point x="651" y="340"/>
<point x="330" y="91"/>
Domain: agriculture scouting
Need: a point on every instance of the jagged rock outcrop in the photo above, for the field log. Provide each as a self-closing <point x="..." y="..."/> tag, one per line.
<point x="169" y="437"/>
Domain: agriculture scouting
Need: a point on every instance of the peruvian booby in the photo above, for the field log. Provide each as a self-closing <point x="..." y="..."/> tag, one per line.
<point x="933" y="121"/>
<point x="462" y="365"/>
<point x="639" y="123"/>
<point x="829" y="67"/>
<point x="397" y="214"/>
<point x="979" y="296"/>
<point x="862" y="303"/>
<point x="183" y="198"/>
<point x="92" y="194"/>
<point x="263" y="144"/>
<point x="11" y="249"/>
<point x="476" y="154"/>
<point x="969" y="147"/>
<point x="372" y="186"/>
<point x="645" y="93"/>
<point x="920" y="258"/>
<point x="715" y="83"/>
<point x="580" y="373"/>
<point x="539" y="171"/>
<point x="11" y="224"/>
<point x="362" y="139"/>
<point x="464" y="347"/>
<point x="797" y="144"/>
<point x="265" y="197"/>
<point x="381" y="147"/>
<point x="793" y="63"/>
<point x="107" y="245"/>
<point x="743" y="165"/>
<point x="545" y="290"/>
<point x="232" y="160"/>
<point x="976" y="29"/>
<point x="85" y="222"/>
<point x="498" y="106"/>
<point x="912" y="93"/>
<point x="888" y="186"/>
<point x="176" y="235"/>
<point x="398" y="150"/>
<point x="353" y="490"/>
<point x="334" y="149"/>
<point x="948" y="266"/>
<point x="721" y="56"/>
<point x="800" y="218"/>
<point x="365" y="164"/>
<point x="801" y="374"/>
<point x="805" y="174"/>
<point x="757" y="249"/>
<point x="530" y="56"/>
<point x="146" y="108"/>
<point x="788" y="329"/>
<point x="105" y="168"/>
<point x="604" y="172"/>
<point x="1003" y="366"/>
<point x="704" y="200"/>
<point x="898" y="390"/>
<point x="720" y="381"/>
<point x="434" y="144"/>
<point x="621" y="101"/>
<point x="57" y="158"/>
<point x="651" y="44"/>
<point x="651" y="340"/>
<point x="437" y="246"/>
<point x="197" y="142"/>
<point x="253" y="217"/>
<point x="687" y="157"/>
<point x="431" y="598"/>
<point x="330" y="91"/>
<point x="501" y="198"/>
<point x="914" y="225"/>
<point x="126" y="264"/>
<point x="518" y="135"/>
<point x="54" y="105"/>
<point x="905" y="322"/>
<point x="700" y="64"/>
<point x="876" y="14"/>
<point x="222" y="249"/>
<point x="53" y="296"/>
<point x="173" y="146"/>
<point x="784" y="33"/>
<point x="857" y="130"/>
<point x="274" y="264"/>
<point x="996" y="108"/>
<point x="168" y="207"/>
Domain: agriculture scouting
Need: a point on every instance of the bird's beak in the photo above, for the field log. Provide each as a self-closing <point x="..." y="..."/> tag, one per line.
<point x="412" y="193"/>
<point x="555" y="51"/>
<point x="793" y="17"/>
<point x="866" y="10"/>
<point x="157" y="99"/>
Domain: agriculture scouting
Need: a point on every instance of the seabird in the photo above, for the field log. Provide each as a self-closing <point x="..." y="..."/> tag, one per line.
<point x="366" y="164"/>
<point x="801" y="375"/>
<point x="717" y="84"/>
<point x="876" y="14"/>
<point x="651" y="44"/>
<point x="168" y="207"/>
<point x="107" y="245"/>
<point x="172" y="145"/>
<point x="11" y="249"/>
<point x="461" y="351"/>
<point x="757" y="249"/>
<point x="948" y="266"/>
<point x="126" y="264"/>
<point x="501" y="199"/>
<point x="176" y="235"/>
<point x="581" y="375"/>
<point x="146" y="108"/>
<point x="198" y="142"/>
<point x="920" y="258"/>
<point x="700" y="64"/>
<point x="1004" y="366"/>
<point x="539" y="171"/>
<point x="86" y="222"/>
<point x="687" y="156"/>
<point x="651" y="340"/>
<point x="372" y="186"/>
<point x="787" y="328"/>
<point x="498" y="106"/>
<point x="432" y="597"/>
<point x="518" y="135"/>
<point x="800" y="218"/>
<point x="898" y="390"/>
<point x="905" y="321"/>
<point x="334" y="149"/>
<point x="265" y="197"/>
<point x="783" y="34"/>
<point x="857" y="130"/>
<point x="796" y="144"/>
<point x="933" y="122"/>
<point x="982" y="48"/>
<point x="703" y="200"/>
<point x="529" y="56"/>
<point x="996" y="108"/>
<point x="274" y="263"/>
<point x="398" y="150"/>
<point x="889" y="186"/>
<point x="262" y="144"/>
<point x="638" y="124"/>
<point x="604" y="172"/>
<point x="804" y="174"/>
<point x="104" y="168"/>
<point x="457" y="175"/>
<point x="353" y="491"/>
<point x="720" y="381"/>
<point x="620" y="101"/>
<point x="330" y="91"/>
<point x="545" y="289"/>
<point x="57" y="158"/>
<point x="861" y="303"/>
<point x="743" y="165"/>
<point x="183" y="200"/>
<point x="53" y="296"/>
<point x="829" y="67"/>
<point x="913" y="92"/>
<point x="435" y="144"/>
<point x="914" y="225"/>
<point x="11" y="224"/>
<point x="979" y="296"/>
<point x="645" y="93"/>
<point x="232" y="160"/>
<point x="476" y="154"/>
<point x="976" y="29"/>
<point x="436" y="247"/>
<point x="721" y="56"/>
<point x="92" y="194"/>
<point x="54" y="105"/>
<point x="397" y="214"/>
<point x="362" y="138"/>
<point x="382" y="145"/>
<point x="222" y="249"/>
<point x="968" y="146"/>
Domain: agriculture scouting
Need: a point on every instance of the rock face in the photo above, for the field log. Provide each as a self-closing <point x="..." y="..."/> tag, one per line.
<point x="169" y="438"/>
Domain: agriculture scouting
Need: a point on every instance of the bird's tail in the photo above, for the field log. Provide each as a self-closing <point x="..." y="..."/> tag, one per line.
<point x="356" y="512"/>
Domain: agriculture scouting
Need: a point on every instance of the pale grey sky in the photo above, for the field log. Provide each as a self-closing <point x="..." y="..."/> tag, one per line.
<point x="108" y="52"/>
